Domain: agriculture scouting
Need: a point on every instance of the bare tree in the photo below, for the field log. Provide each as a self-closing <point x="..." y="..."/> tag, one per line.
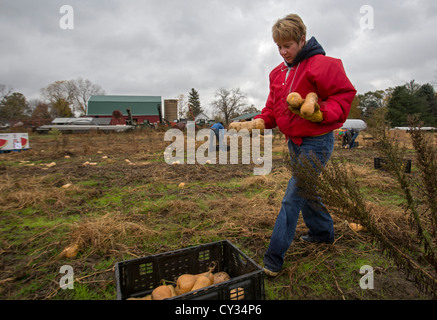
<point x="250" y="109"/>
<point x="182" y="106"/>
<point x="228" y="103"/>
<point x="434" y="80"/>
<point x="5" y="91"/>
<point x="70" y="94"/>
<point x="82" y="90"/>
<point x="57" y="90"/>
<point x="60" y="96"/>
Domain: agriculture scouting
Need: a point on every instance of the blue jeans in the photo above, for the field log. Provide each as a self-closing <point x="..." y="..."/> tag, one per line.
<point x="220" y="136"/>
<point x="314" y="213"/>
<point x="351" y="144"/>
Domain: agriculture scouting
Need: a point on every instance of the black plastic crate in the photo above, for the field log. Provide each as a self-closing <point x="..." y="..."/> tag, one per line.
<point x="380" y="163"/>
<point x="138" y="277"/>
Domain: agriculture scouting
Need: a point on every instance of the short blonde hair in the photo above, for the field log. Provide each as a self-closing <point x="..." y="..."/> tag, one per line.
<point x="291" y="27"/>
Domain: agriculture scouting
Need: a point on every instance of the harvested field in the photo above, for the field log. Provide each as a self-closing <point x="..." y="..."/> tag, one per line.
<point x="90" y="200"/>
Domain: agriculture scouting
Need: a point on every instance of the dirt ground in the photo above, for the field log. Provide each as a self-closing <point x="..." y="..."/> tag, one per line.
<point x="115" y="197"/>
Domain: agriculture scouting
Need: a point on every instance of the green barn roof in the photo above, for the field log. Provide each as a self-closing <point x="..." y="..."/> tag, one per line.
<point x="139" y="105"/>
<point x="246" y="116"/>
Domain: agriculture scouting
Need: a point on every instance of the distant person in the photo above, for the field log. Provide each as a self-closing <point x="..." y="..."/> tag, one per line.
<point x="354" y="135"/>
<point x="346" y="138"/>
<point x="217" y="130"/>
<point x="349" y="138"/>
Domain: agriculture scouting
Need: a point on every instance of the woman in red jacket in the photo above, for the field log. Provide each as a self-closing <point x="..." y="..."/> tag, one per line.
<point x="305" y="69"/>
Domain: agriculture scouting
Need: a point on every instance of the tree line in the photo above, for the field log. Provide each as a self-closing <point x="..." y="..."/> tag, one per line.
<point x="398" y="104"/>
<point x="227" y="104"/>
<point x="64" y="99"/>
<point x="67" y="98"/>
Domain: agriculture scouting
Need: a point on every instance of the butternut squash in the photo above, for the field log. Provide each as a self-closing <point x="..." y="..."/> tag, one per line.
<point x="132" y="298"/>
<point x="148" y="297"/>
<point x="237" y="294"/>
<point x="173" y="290"/>
<point x="161" y="292"/>
<point x="70" y="251"/>
<point x="235" y="125"/>
<point x="260" y="125"/>
<point x="204" y="279"/>
<point x="295" y="100"/>
<point x="208" y="274"/>
<point x="186" y="281"/>
<point x="221" y="277"/>
<point x="249" y="125"/>
<point x="309" y="105"/>
<point x="356" y="227"/>
<point x="201" y="282"/>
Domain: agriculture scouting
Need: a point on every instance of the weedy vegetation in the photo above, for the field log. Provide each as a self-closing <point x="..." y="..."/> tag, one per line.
<point x="91" y="200"/>
<point x="407" y="237"/>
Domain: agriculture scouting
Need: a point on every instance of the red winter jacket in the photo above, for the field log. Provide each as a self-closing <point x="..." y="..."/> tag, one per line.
<point x="320" y="74"/>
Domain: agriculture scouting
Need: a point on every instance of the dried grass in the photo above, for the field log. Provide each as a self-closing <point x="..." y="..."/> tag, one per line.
<point x="30" y="192"/>
<point x="109" y="232"/>
<point x="244" y="212"/>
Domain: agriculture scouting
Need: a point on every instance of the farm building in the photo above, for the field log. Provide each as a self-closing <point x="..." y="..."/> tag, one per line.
<point x="246" y="117"/>
<point x="171" y="109"/>
<point x="141" y="107"/>
<point x="202" y="116"/>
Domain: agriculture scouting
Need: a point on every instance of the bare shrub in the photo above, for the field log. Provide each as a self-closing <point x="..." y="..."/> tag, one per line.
<point x="339" y="189"/>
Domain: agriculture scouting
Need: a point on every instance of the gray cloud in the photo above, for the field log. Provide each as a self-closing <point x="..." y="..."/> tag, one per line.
<point x="168" y="47"/>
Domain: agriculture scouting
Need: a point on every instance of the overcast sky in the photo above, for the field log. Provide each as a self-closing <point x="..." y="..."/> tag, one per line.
<point x="166" y="47"/>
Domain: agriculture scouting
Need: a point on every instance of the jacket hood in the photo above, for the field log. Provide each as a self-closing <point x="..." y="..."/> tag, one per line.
<point x="311" y="48"/>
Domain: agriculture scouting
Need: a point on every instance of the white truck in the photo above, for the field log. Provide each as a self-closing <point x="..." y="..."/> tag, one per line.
<point x="14" y="142"/>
